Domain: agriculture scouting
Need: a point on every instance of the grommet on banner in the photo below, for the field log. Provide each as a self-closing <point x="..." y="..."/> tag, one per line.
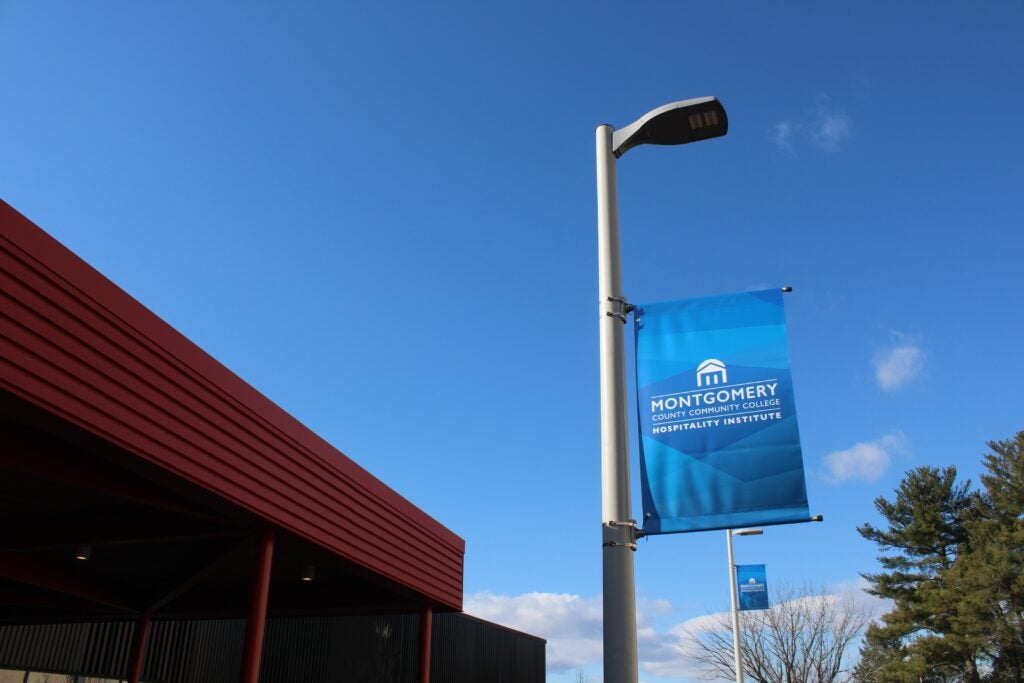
<point x="787" y="290"/>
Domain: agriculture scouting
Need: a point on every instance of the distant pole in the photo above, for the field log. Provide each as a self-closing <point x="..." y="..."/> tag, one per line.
<point x="737" y="653"/>
<point x="618" y="531"/>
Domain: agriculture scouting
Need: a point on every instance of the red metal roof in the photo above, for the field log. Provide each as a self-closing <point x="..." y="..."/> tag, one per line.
<point x="76" y="345"/>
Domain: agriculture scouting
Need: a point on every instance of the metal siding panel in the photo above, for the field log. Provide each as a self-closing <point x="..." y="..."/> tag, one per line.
<point x="83" y="648"/>
<point x="467" y="650"/>
<point x="207" y="651"/>
<point x="332" y="649"/>
<point x="149" y="386"/>
<point x="311" y="650"/>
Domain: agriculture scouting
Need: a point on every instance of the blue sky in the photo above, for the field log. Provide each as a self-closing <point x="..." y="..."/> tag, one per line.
<point x="383" y="217"/>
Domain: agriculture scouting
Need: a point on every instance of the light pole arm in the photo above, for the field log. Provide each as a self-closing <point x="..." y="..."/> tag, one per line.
<point x="618" y="535"/>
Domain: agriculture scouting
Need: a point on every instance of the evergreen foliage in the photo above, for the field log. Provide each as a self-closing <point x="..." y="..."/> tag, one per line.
<point x="953" y="565"/>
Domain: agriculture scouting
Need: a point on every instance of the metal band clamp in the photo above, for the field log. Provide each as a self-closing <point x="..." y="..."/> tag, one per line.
<point x="627" y="308"/>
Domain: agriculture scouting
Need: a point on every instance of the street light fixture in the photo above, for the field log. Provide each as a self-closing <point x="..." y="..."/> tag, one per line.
<point x="674" y="124"/>
<point x="677" y="123"/>
<point x="734" y="598"/>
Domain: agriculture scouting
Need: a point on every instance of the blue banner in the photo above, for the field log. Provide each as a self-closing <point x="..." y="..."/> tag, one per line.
<point x="751" y="586"/>
<point x="719" y="444"/>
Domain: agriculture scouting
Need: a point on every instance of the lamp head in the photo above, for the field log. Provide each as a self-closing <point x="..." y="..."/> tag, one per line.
<point x="748" y="532"/>
<point x="677" y="123"/>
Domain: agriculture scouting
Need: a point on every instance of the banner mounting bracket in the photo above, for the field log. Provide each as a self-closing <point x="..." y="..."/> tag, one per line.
<point x="621" y="534"/>
<point x="627" y="308"/>
<point x="612" y="544"/>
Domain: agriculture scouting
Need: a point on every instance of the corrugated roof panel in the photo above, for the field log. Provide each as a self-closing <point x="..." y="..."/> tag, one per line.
<point x="77" y="345"/>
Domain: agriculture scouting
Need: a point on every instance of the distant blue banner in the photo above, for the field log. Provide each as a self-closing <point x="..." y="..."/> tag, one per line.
<point x="751" y="586"/>
<point x="719" y="444"/>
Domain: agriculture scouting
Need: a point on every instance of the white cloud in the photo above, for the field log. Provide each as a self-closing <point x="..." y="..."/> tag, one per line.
<point x="855" y="588"/>
<point x="823" y="127"/>
<point x="781" y="135"/>
<point x="572" y="626"/>
<point x="570" y="623"/>
<point x="867" y="460"/>
<point x="897" y="366"/>
<point x="831" y="131"/>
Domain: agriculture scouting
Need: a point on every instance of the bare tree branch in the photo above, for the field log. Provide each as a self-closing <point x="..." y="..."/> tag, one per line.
<point x="805" y="637"/>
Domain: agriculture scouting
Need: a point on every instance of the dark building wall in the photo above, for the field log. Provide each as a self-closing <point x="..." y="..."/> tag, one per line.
<point x="382" y="649"/>
<point x="94" y="648"/>
<point x="465" y="649"/>
<point x="201" y="651"/>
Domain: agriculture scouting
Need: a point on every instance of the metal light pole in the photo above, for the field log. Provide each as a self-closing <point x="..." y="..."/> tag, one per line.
<point x="672" y="124"/>
<point x="734" y="595"/>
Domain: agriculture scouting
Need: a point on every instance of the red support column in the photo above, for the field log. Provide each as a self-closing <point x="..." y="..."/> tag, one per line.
<point x="426" y="623"/>
<point x="257" y="609"/>
<point x="139" y="653"/>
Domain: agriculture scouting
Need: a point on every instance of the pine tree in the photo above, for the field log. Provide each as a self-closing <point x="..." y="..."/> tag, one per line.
<point x="990" y="605"/>
<point x="876" y="655"/>
<point x="921" y="639"/>
<point x="886" y="660"/>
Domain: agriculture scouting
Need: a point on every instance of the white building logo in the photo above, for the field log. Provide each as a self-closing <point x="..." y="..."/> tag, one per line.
<point x="711" y="372"/>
